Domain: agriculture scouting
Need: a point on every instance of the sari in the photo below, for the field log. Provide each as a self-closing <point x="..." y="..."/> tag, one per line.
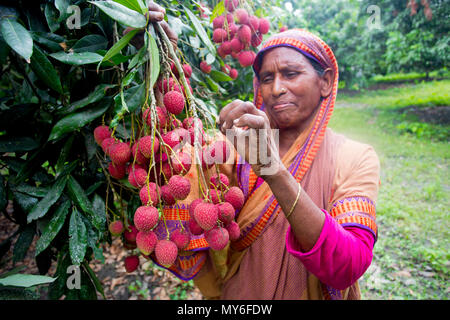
<point x="338" y="174"/>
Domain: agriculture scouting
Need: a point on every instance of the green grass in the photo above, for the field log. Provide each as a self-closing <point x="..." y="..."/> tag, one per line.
<point x="402" y="77"/>
<point x="424" y="94"/>
<point x="411" y="256"/>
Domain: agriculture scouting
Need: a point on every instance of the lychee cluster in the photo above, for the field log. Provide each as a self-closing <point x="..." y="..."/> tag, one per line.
<point x="236" y="32"/>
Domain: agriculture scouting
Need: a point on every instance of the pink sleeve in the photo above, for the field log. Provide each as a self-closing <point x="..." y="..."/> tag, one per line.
<point x="340" y="256"/>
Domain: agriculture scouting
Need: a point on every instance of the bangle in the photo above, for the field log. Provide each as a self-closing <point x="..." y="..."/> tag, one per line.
<point x="296" y="200"/>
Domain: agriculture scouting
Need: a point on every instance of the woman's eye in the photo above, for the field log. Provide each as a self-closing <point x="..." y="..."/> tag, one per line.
<point x="291" y="74"/>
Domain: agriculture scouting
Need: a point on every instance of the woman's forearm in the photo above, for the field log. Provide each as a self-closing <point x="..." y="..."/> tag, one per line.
<point x="307" y="219"/>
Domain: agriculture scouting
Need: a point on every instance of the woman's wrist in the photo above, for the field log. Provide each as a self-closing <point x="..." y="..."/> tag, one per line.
<point x="273" y="174"/>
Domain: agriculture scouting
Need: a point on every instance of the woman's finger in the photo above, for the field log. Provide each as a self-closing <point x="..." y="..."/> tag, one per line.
<point x="250" y="121"/>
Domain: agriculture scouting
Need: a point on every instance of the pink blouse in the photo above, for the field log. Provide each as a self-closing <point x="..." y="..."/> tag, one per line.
<point x="340" y="256"/>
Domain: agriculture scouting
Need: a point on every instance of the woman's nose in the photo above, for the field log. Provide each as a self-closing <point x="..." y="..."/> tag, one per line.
<point x="278" y="87"/>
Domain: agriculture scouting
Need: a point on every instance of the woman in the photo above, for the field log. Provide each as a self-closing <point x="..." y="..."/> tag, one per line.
<point x="307" y="228"/>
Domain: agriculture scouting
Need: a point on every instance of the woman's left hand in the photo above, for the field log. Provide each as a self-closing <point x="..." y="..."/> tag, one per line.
<point x="248" y="128"/>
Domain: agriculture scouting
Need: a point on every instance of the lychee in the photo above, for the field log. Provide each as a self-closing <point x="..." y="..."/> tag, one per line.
<point x="146" y="241"/>
<point x="233" y="230"/>
<point x="215" y="195"/>
<point x="246" y="58"/>
<point x="120" y="153"/>
<point x="264" y="25"/>
<point x="236" y="45"/>
<point x="116" y="171"/>
<point x="256" y="39"/>
<point x="253" y="23"/>
<point x="226" y="212"/>
<point x="181" y="238"/>
<point x="166" y="252"/>
<point x="234" y="73"/>
<point x="206" y="215"/>
<point x="181" y="163"/>
<point x="166" y="196"/>
<point x="219" y="152"/>
<point x="244" y="34"/>
<point x="216" y="181"/>
<point x="137" y="177"/>
<point x="116" y="228"/>
<point x="101" y="133"/>
<point x="146" y="218"/>
<point x="191" y="121"/>
<point x="192" y="206"/>
<point x="161" y="115"/>
<point x="219" y="35"/>
<point x="231" y="5"/>
<point x="217" y="238"/>
<point x="107" y="144"/>
<point x="174" y="102"/>
<point x="179" y="186"/>
<point x="218" y="22"/>
<point x="241" y="16"/>
<point x="226" y="47"/>
<point x="235" y="196"/>
<point x="226" y="68"/>
<point x="171" y="138"/>
<point x="194" y="228"/>
<point x="149" y="190"/>
<point x="130" y="234"/>
<point x="145" y="145"/>
<point x="136" y="155"/>
<point x="205" y="67"/>
<point x="131" y="263"/>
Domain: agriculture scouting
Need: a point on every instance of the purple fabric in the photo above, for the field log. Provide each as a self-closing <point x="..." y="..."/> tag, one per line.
<point x="340" y="256"/>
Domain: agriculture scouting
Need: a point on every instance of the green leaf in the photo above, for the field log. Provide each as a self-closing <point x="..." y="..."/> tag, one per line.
<point x="17" y="144"/>
<point x="99" y="211"/>
<point x="76" y="121"/>
<point x="212" y="84"/>
<point x="95" y="280"/>
<point x="135" y="5"/>
<point x="78" y="237"/>
<point x="39" y="192"/>
<point x="53" y="227"/>
<point x="154" y="60"/>
<point x="3" y="199"/>
<point x="119" y="45"/>
<point x="41" y="208"/>
<point x="52" y="16"/>
<point x="64" y="153"/>
<point x="219" y="76"/>
<point x="25" y="280"/>
<point x="200" y="30"/>
<point x="90" y="43"/>
<point x="121" y="14"/>
<point x="78" y="196"/>
<point x="134" y="98"/>
<point x="49" y="40"/>
<point x="77" y="58"/>
<point x="17" y="37"/>
<point x="44" y="70"/>
<point x="23" y="243"/>
<point x="218" y="10"/>
<point x="96" y="95"/>
<point x="62" y="6"/>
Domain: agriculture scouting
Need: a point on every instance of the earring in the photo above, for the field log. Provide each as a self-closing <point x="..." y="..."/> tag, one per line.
<point x="283" y="90"/>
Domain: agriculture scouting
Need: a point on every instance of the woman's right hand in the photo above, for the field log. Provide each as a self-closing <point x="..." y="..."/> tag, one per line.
<point x="248" y="128"/>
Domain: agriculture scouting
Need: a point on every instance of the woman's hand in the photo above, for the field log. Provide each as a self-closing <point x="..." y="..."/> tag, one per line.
<point x="155" y="14"/>
<point x="248" y="128"/>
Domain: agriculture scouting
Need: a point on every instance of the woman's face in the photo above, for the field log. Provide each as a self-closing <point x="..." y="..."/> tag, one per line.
<point x="290" y="87"/>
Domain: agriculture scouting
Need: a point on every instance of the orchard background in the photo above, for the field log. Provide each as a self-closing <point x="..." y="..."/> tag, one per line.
<point x="61" y="78"/>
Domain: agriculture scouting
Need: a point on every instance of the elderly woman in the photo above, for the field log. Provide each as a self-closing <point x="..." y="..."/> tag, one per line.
<point x="307" y="228"/>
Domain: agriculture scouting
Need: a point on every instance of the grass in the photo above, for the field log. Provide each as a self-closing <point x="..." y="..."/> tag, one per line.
<point x="412" y="76"/>
<point x="411" y="257"/>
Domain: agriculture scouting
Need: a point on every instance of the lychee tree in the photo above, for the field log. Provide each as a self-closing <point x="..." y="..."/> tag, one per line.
<point x="85" y="92"/>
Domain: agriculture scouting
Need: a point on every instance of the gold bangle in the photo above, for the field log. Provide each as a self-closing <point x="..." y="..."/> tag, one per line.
<point x="296" y="200"/>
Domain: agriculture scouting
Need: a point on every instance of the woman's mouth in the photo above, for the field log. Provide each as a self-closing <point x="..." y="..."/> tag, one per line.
<point x="280" y="106"/>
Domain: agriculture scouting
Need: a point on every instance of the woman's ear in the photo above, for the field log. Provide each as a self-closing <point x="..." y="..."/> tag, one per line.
<point x="327" y="81"/>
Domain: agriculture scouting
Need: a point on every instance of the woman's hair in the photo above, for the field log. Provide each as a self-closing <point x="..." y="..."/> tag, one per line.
<point x="317" y="66"/>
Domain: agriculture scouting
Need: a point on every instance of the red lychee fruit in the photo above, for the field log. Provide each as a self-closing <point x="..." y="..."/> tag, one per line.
<point x="179" y="186"/>
<point x="234" y="73"/>
<point x="171" y="138"/>
<point x="264" y="25"/>
<point x="206" y="215"/>
<point x="187" y="69"/>
<point x="246" y="58"/>
<point x="219" y="152"/>
<point x="130" y="234"/>
<point x="131" y="263"/>
<point x="146" y="241"/>
<point x="226" y="47"/>
<point x="219" y="35"/>
<point x="205" y="67"/>
<point x="241" y="16"/>
<point x="231" y="29"/>
<point x="181" y="163"/>
<point x="183" y="134"/>
<point x="166" y="196"/>
<point x="137" y="177"/>
<point x="166" y="252"/>
<point x="145" y="145"/>
<point x="174" y="102"/>
<point x="256" y="39"/>
<point x="231" y="5"/>
<point x="226" y="68"/>
<point x="244" y="34"/>
<point x="170" y="84"/>
<point x="191" y="121"/>
<point x="107" y="144"/>
<point x="176" y="123"/>
<point x="194" y="228"/>
<point x="216" y="181"/>
<point x="226" y="212"/>
<point x="167" y="170"/>
<point x="116" y="171"/>
<point x="136" y="156"/>
<point x="116" y="228"/>
<point x="218" y="22"/>
<point x="235" y="196"/>
<point x="215" y="195"/>
<point x="146" y="218"/>
<point x="233" y="230"/>
<point x="120" y="153"/>
<point x="149" y="190"/>
<point x="236" y="45"/>
<point x="217" y="238"/>
<point x="101" y="133"/>
<point x="161" y="115"/>
<point x="193" y="205"/>
<point x="253" y="23"/>
<point x="283" y="29"/>
<point x="181" y="238"/>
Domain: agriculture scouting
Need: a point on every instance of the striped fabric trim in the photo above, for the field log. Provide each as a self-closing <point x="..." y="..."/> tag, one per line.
<point x="356" y="211"/>
<point x="185" y="267"/>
